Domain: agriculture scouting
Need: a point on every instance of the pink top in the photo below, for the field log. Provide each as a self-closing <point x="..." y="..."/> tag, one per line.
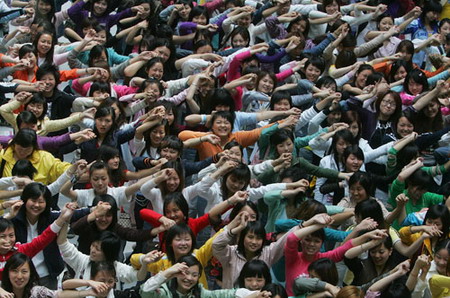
<point x="407" y="99"/>
<point x="119" y="90"/>
<point x="297" y="265"/>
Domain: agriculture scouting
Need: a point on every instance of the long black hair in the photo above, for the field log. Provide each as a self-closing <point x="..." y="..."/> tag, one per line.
<point x="14" y="262"/>
<point x="190" y="261"/>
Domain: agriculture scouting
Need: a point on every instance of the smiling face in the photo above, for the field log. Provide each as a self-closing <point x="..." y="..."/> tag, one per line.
<point x="163" y="52"/>
<point x="20" y="276"/>
<point x="154" y="92"/>
<point x="444" y="30"/>
<point x="380" y="255"/>
<point x="361" y="78"/>
<point x="404" y="127"/>
<point x="312" y="73"/>
<point x="235" y="153"/>
<point x="31" y="58"/>
<point x="36" y="108"/>
<point x="265" y="84"/>
<point x="282" y="105"/>
<point x="332" y="8"/>
<point x="100" y="180"/>
<point x="100" y="7"/>
<point x="104" y="221"/>
<point x="221" y="127"/>
<point x="252" y="243"/>
<point x="174" y="212"/>
<point x="173" y="182"/>
<point x="431" y="110"/>
<point x="105" y="277"/>
<point x="43" y="7"/>
<point x="182" y="245"/>
<point x="386" y="23"/>
<point x="254" y="283"/>
<point x="353" y="163"/>
<point x="50" y="82"/>
<point x="34" y="207"/>
<point x="44" y="44"/>
<point x="358" y="193"/>
<point x="311" y="245"/>
<point x="441" y="260"/>
<point x="234" y="184"/>
<point x="188" y="280"/>
<point x="7" y="240"/>
<point x="157" y="134"/>
<point x="388" y="105"/>
<point x="414" y="87"/>
<point x="400" y="74"/>
<point x="156" y="71"/>
<point x="238" y="41"/>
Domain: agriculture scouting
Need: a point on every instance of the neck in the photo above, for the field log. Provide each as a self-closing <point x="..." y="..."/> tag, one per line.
<point x="18" y="293"/>
<point x="32" y="219"/>
<point x="309" y="258"/>
<point x="249" y="255"/>
<point x="48" y="93"/>
<point x="383" y="117"/>
<point x="182" y="291"/>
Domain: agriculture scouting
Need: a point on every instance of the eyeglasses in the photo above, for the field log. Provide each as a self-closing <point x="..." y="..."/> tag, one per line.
<point x="388" y="103"/>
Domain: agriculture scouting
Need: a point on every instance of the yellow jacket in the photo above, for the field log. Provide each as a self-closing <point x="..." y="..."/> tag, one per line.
<point x="408" y="238"/>
<point x="440" y="286"/>
<point x="203" y="254"/>
<point x="48" y="167"/>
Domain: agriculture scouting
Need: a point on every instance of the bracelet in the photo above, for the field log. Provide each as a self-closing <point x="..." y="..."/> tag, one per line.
<point x="203" y="121"/>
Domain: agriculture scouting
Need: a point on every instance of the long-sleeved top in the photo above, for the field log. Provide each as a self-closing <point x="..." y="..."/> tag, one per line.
<point x="77" y="13"/>
<point x="426" y="200"/>
<point x="203" y="255"/>
<point x="232" y="261"/>
<point x="190" y="167"/>
<point x="44" y="126"/>
<point x="298" y="264"/>
<point x="34" y="247"/>
<point x="52" y="257"/>
<point x="44" y="143"/>
<point x="48" y="167"/>
<point x="81" y="264"/>
<point x="206" y="149"/>
<point x="154" y="195"/>
<point x="196" y="224"/>
<point x="88" y="233"/>
<point x="277" y="208"/>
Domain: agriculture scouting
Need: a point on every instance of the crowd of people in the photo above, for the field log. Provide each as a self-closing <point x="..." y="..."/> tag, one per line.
<point x="257" y="148"/>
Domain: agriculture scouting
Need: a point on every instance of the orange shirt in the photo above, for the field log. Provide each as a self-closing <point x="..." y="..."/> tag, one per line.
<point x="206" y="149"/>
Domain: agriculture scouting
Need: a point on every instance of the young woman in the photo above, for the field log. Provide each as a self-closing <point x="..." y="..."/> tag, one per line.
<point x="99" y="179"/>
<point x="436" y="226"/>
<point x="104" y="218"/>
<point x="118" y="173"/>
<point x="176" y="211"/>
<point x="35" y="217"/>
<point x="185" y="276"/>
<point x="254" y="275"/>
<point x="311" y="237"/>
<point x="24" y="146"/>
<point x="251" y="245"/>
<point x="180" y="242"/>
<point x="38" y="243"/>
<point x="37" y="104"/>
<point x="20" y="279"/>
<point x="222" y="127"/>
<point x="169" y="180"/>
<point x="105" y="248"/>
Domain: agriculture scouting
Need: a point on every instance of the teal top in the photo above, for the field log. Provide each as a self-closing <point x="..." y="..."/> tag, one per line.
<point x="164" y="292"/>
<point x="277" y="208"/>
